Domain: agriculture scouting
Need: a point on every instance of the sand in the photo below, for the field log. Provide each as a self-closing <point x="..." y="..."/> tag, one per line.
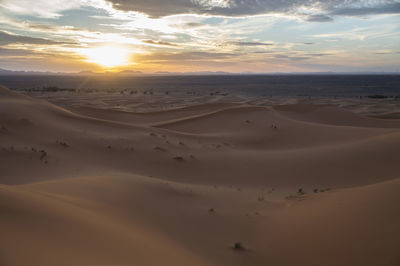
<point x="86" y="186"/>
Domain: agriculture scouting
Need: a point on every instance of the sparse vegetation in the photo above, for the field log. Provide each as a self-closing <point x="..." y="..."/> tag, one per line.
<point x="238" y="246"/>
<point x="64" y="144"/>
<point x="50" y="89"/>
<point x="179" y="158"/>
<point x="158" y="148"/>
<point x="43" y="155"/>
<point x="377" y="96"/>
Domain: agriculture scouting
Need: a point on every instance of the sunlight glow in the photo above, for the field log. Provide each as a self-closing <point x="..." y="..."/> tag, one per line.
<point x="107" y="56"/>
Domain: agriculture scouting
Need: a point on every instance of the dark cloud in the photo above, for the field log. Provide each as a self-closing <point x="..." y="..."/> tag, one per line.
<point x="319" y="18"/>
<point x="159" y="8"/>
<point x="15" y="52"/>
<point x="194" y="24"/>
<point x="162" y="43"/>
<point x="190" y="25"/>
<point x="252" y="44"/>
<point x="6" y="38"/>
<point x="263" y="52"/>
<point x="319" y="54"/>
<point x="156" y="8"/>
<point x="393" y="8"/>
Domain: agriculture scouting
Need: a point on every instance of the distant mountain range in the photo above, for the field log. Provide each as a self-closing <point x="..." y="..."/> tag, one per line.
<point x="5" y="72"/>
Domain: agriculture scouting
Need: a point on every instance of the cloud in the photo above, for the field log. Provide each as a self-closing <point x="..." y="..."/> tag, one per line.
<point x="15" y="52"/>
<point x="252" y="43"/>
<point x="184" y="56"/>
<point x="237" y="8"/>
<point x="193" y="24"/>
<point x="189" y="25"/>
<point x="319" y="18"/>
<point x="384" y="52"/>
<point x="319" y="54"/>
<point x="161" y="43"/>
<point x="7" y="38"/>
<point x="390" y="8"/>
<point x="40" y="8"/>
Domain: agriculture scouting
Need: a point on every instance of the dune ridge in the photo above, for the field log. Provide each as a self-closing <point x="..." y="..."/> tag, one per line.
<point x="293" y="184"/>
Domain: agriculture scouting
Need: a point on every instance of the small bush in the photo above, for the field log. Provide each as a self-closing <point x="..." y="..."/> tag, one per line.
<point x="158" y="148"/>
<point x="179" y="158"/>
<point x="43" y="155"/>
<point x="64" y="144"/>
<point x="238" y="246"/>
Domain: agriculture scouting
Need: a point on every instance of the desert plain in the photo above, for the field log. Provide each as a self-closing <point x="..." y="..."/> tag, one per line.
<point x="213" y="183"/>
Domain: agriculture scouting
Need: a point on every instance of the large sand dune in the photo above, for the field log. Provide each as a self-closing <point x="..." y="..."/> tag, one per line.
<point x="88" y="186"/>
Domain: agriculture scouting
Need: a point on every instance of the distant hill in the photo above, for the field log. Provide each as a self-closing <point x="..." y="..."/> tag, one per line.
<point x="5" y="72"/>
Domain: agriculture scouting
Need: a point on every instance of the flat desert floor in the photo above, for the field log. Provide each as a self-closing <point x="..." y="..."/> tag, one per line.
<point x="207" y="184"/>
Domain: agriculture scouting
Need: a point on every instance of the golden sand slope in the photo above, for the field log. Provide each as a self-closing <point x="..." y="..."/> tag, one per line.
<point x="181" y="187"/>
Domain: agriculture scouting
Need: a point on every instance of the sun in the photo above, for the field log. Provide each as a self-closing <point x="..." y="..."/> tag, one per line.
<point x="107" y="56"/>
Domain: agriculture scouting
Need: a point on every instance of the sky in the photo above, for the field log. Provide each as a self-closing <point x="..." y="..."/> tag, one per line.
<point x="260" y="36"/>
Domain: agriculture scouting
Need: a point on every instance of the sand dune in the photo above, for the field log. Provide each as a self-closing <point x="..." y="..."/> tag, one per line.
<point x="87" y="186"/>
<point x="330" y="114"/>
<point x="148" y="118"/>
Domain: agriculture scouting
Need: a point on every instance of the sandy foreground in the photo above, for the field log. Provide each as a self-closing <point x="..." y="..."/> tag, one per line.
<point x="85" y="187"/>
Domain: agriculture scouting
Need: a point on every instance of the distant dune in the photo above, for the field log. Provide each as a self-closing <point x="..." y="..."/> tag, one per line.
<point x="209" y="184"/>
